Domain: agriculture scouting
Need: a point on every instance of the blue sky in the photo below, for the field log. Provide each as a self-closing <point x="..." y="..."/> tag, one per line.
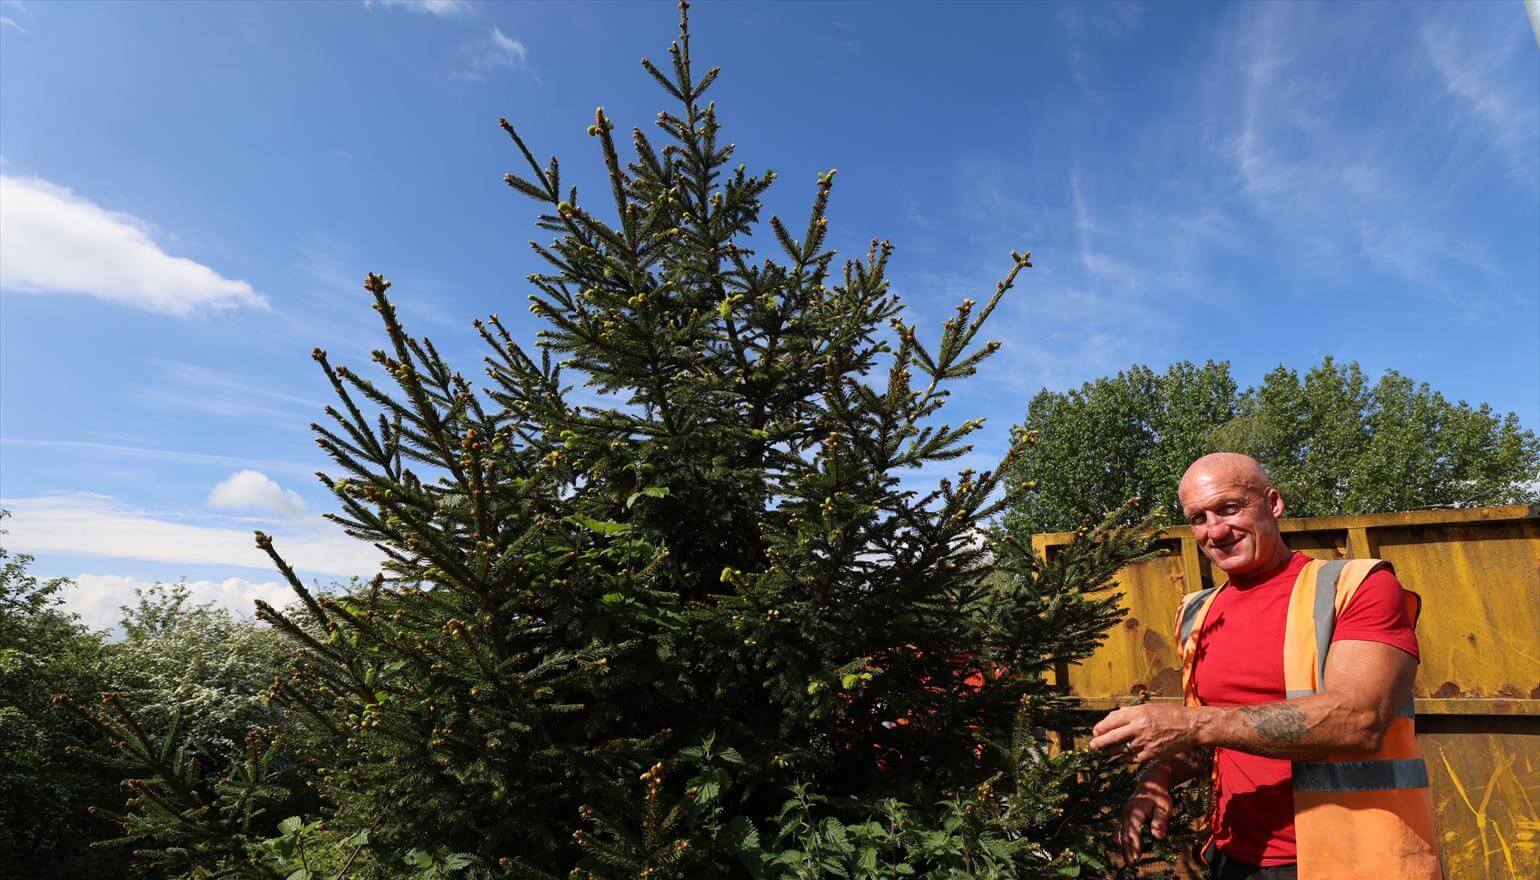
<point x="193" y="192"/>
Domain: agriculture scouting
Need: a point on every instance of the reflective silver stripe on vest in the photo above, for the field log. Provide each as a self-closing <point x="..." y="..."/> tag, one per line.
<point x="1325" y="614"/>
<point x="1360" y="775"/>
<point x="1190" y="615"/>
<point x="1295" y="695"/>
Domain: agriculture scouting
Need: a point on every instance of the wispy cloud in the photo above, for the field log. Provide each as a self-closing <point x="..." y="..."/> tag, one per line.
<point x="1337" y="185"/>
<point x="254" y="490"/>
<point x="99" y="525"/>
<point x="1115" y="18"/>
<point x="335" y="270"/>
<point x="57" y="242"/>
<point x="1082" y="218"/>
<point x="1471" y="66"/>
<point x="493" y="52"/>
<point x="336" y="314"/>
<point x="443" y="8"/>
<point x="8" y="22"/>
<point x="1057" y="335"/>
<point x="203" y="458"/>
<point x="1083" y="22"/>
<point x="193" y="387"/>
<point x="1106" y="270"/>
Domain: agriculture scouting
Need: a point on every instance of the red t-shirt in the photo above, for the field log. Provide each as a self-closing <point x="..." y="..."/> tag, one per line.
<point x="1242" y="664"/>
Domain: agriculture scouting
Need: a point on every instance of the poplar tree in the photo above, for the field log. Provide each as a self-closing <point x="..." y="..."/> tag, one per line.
<point x="713" y="625"/>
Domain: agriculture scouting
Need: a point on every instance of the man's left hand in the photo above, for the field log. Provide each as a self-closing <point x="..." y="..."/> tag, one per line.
<point x="1147" y="732"/>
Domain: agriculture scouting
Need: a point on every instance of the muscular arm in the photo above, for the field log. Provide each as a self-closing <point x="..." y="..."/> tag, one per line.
<point x="1366" y="683"/>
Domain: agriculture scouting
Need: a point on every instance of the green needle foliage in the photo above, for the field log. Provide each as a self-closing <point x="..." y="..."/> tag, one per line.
<point x="709" y="629"/>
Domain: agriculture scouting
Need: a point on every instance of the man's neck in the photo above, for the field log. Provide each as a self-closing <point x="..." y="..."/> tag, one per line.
<point x="1277" y="561"/>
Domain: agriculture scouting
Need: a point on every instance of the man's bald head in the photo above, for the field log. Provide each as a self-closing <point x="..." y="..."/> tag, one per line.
<point x="1233" y="509"/>
<point x="1228" y="469"/>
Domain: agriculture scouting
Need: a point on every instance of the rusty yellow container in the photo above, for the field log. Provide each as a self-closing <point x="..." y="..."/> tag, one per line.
<point x="1478" y="688"/>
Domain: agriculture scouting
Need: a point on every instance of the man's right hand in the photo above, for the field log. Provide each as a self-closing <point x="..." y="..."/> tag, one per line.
<point x="1150" y="805"/>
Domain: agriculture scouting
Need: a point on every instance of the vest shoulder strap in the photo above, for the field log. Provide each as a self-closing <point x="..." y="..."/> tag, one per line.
<point x="1189" y="614"/>
<point x="1189" y="622"/>
<point x="1336" y="584"/>
<point x="1322" y="591"/>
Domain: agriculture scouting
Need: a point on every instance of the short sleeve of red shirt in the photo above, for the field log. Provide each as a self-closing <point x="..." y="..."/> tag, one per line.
<point x="1378" y="614"/>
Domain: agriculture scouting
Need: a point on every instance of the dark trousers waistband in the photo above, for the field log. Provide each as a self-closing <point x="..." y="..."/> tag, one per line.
<point x="1222" y="867"/>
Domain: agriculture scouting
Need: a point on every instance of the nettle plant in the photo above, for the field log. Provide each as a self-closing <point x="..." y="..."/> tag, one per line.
<point x="707" y="630"/>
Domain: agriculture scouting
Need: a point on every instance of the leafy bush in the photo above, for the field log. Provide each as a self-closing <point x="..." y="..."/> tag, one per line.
<point x="47" y="773"/>
<point x="197" y="666"/>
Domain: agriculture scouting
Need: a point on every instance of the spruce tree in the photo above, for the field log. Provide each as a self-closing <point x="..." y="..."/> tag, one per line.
<point x="708" y="629"/>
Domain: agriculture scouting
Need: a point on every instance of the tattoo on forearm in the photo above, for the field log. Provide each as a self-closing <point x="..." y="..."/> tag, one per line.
<point x="1277" y="722"/>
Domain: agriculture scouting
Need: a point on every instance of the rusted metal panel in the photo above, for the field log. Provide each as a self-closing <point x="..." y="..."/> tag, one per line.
<point x="1478" y="688"/>
<point x="1480" y="627"/>
<point x="1485" y="772"/>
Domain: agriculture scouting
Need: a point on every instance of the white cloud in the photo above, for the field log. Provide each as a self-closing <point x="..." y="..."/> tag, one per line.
<point x="497" y="51"/>
<point x="54" y="241"/>
<point x="11" y="23"/>
<point x="98" y="525"/>
<point x="98" y="598"/>
<point x="254" y="490"/>
<point x="443" y="8"/>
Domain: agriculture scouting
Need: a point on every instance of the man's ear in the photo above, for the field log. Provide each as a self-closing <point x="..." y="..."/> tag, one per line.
<point x="1275" y="502"/>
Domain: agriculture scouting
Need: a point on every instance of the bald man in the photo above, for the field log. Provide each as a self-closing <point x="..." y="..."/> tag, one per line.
<point x="1243" y="716"/>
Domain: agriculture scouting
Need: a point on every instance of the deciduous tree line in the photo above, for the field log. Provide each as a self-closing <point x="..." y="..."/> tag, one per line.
<point x="1333" y="442"/>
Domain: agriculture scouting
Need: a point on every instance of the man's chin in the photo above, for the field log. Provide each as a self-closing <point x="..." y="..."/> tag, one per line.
<point x="1236" y="563"/>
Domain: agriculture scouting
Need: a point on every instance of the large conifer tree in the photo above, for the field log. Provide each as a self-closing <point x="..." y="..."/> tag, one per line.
<point x="708" y="630"/>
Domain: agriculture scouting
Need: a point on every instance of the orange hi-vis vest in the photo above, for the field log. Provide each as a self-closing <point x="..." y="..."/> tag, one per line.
<point x="1367" y="817"/>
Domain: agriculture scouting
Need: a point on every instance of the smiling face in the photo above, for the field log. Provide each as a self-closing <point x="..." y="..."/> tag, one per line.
<point x="1233" y="510"/>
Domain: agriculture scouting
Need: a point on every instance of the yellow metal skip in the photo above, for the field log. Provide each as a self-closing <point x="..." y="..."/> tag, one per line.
<point x="1478" y="688"/>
